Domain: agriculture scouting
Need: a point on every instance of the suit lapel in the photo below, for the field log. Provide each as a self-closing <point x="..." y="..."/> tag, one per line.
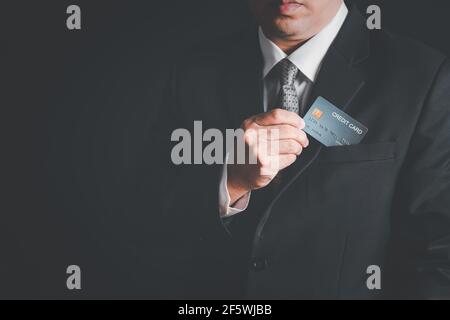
<point x="341" y="79"/>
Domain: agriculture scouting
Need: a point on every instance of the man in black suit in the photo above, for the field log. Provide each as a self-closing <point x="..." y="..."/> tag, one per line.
<point x="315" y="226"/>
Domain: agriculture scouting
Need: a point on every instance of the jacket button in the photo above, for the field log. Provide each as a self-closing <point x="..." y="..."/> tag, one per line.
<point x="259" y="264"/>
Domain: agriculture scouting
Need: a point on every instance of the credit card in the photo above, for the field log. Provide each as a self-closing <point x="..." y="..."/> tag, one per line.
<point x="331" y="126"/>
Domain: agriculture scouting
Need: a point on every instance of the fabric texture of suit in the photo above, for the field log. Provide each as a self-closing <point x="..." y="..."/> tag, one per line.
<point x="338" y="210"/>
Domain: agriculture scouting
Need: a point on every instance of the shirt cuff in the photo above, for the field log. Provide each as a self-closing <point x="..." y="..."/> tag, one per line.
<point x="225" y="208"/>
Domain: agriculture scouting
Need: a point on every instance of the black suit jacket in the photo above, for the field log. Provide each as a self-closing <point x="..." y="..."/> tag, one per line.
<point x="384" y="202"/>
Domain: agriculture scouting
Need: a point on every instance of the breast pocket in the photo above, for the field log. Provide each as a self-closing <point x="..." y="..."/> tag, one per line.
<point x="355" y="181"/>
<point x="383" y="151"/>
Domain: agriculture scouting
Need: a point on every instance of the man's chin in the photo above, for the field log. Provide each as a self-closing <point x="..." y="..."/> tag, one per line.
<point x="285" y="27"/>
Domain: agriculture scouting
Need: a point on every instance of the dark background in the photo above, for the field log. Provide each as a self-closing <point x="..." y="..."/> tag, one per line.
<point x="76" y="105"/>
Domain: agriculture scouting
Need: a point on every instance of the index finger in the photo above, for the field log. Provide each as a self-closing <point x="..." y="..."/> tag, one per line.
<point x="278" y="117"/>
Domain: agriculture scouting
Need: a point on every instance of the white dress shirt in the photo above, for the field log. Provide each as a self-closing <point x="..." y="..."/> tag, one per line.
<point x="308" y="59"/>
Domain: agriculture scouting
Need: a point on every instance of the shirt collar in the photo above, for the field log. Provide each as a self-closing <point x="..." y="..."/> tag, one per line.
<point x="309" y="56"/>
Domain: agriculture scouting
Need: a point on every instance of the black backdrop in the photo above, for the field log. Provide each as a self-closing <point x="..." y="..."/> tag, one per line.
<point x="76" y="102"/>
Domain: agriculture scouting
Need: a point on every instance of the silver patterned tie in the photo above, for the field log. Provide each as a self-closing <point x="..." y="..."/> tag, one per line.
<point x="289" y="100"/>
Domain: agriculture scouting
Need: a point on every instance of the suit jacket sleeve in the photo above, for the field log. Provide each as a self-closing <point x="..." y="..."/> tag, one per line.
<point x="425" y="191"/>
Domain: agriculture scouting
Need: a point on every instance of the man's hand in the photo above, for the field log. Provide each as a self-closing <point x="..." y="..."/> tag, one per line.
<point x="279" y="128"/>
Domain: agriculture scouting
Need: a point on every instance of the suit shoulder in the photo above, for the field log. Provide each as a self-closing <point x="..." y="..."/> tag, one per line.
<point x="406" y="51"/>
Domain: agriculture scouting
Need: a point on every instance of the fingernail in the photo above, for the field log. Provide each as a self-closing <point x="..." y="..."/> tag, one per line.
<point x="302" y="124"/>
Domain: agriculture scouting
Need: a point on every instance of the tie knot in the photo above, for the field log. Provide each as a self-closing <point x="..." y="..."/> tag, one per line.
<point x="288" y="72"/>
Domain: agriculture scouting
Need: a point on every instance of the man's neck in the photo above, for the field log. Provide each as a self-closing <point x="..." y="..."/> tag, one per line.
<point x="288" y="46"/>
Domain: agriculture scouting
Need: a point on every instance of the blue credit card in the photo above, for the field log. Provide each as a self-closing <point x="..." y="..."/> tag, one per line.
<point x="331" y="126"/>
